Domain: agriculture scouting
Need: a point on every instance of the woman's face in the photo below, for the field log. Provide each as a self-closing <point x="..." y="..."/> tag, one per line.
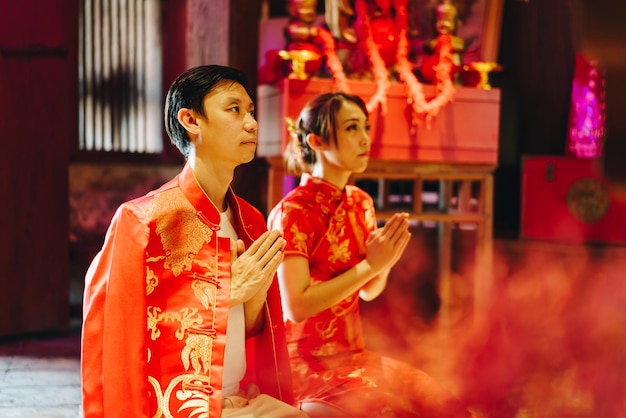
<point x="352" y="149"/>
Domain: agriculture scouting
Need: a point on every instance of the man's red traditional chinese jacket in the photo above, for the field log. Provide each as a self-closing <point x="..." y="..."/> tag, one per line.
<point x="156" y="306"/>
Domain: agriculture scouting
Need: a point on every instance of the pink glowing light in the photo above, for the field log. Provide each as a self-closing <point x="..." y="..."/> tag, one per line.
<point x="587" y="112"/>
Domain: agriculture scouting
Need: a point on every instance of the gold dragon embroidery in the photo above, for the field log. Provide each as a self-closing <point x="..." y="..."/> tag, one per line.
<point x="182" y="233"/>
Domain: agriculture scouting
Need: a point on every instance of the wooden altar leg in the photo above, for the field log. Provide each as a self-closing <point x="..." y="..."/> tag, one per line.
<point x="464" y="197"/>
<point x="483" y="272"/>
<point x="445" y="257"/>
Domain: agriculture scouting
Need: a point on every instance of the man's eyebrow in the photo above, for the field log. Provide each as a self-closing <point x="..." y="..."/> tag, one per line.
<point x="238" y="100"/>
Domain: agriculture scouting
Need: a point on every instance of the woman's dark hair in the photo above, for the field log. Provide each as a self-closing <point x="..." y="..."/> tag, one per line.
<point x="319" y="117"/>
<point x="188" y="91"/>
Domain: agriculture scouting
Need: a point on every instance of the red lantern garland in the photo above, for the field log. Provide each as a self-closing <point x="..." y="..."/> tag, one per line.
<point x="415" y="94"/>
<point x="379" y="69"/>
<point x="444" y="86"/>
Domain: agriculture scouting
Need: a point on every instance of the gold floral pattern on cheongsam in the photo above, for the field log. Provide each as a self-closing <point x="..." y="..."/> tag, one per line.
<point x="299" y="239"/>
<point x="339" y="249"/>
<point x="325" y="349"/>
<point x="339" y="245"/>
<point x="321" y="201"/>
<point x="326" y="330"/>
<point x="361" y="374"/>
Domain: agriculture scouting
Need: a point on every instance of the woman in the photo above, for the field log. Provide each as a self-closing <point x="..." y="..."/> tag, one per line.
<point x="334" y="255"/>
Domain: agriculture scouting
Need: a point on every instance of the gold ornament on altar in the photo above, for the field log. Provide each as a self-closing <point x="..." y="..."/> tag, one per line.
<point x="298" y="59"/>
<point x="483" y="69"/>
<point x="447" y="24"/>
<point x="309" y="42"/>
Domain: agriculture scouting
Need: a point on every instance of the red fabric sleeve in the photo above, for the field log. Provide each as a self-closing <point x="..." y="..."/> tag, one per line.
<point x="114" y="354"/>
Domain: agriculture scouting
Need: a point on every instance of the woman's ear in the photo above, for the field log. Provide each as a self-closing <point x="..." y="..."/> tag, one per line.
<point x="187" y="118"/>
<point x="315" y="142"/>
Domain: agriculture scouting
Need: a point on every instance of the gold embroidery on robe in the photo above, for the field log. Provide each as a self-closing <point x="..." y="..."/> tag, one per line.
<point x="187" y="317"/>
<point x="205" y="292"/>
<point x="182" y="233"/>
<point x="193" y="390"/>
<point x="152" y="281"/>
<point x="154" y="315"/>
<point x="197" y="353"/>
<point x="158" y="394"/>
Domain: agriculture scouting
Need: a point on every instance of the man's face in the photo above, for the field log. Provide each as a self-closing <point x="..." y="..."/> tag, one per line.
<point x="228" y="133"/>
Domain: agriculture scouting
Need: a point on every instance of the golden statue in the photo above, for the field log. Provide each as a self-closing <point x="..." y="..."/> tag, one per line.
<point x="447" y="23"/>
<point x="303" y="49"/>
<point x="301" y="30"/>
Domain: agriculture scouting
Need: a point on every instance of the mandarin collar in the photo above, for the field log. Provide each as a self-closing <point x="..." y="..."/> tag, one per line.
<point x="334" y="193"/>
<point x="200" y="201"/>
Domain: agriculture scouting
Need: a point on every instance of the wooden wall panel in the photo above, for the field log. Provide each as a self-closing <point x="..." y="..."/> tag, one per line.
<point x="38" y="121"/>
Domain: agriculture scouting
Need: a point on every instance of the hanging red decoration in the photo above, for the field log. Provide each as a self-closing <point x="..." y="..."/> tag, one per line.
<point x="376" y="48"/>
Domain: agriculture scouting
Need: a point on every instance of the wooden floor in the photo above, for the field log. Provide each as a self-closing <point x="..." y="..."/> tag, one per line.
<point x="551" y="345"/>
<point x="40" y="375"/>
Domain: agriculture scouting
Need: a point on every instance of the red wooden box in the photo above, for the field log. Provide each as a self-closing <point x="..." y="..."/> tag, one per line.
<point x="566" y="199"/>
<point x="464" y="131"/>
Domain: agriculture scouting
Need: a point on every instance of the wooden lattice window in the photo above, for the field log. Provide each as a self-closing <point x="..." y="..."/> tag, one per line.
<point x="120" y="76"/>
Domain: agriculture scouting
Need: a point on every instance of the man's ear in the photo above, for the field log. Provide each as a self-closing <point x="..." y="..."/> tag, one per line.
<point x="315" y="141"/>
<point x="187" y="118"/>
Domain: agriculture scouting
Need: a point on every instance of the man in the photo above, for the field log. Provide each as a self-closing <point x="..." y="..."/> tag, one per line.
<point x="182" y="315"/>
